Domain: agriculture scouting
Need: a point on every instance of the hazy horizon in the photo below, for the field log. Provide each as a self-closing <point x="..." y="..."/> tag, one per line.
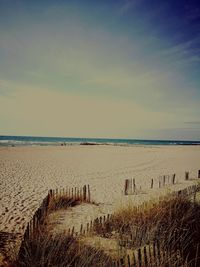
<point x="125" y="69"/>
<point x="95" y="138"/>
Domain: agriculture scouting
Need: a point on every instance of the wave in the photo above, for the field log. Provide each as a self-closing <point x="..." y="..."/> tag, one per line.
<point x="61" y="141"/>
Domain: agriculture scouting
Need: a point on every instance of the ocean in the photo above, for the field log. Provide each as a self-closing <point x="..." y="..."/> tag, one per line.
<point x="45" y="141"/>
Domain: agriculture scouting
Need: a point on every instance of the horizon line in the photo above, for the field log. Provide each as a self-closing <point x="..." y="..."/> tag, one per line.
<point x="134" y="139"/>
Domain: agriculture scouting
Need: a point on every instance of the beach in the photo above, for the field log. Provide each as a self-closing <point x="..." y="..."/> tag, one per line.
<point x="28" y="172"/>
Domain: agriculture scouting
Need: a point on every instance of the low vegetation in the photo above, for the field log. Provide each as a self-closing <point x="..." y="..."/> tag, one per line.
<point x="60" y="251"/>
<point x="172" y="225"/>
<point x="156" y="234"/>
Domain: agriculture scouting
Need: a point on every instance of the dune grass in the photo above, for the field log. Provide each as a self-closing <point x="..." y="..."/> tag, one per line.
<point x="62" y="202"/>
<point x="60" y="251"/>
<point x="172" y="224"/>
<point x="41" y="249"/>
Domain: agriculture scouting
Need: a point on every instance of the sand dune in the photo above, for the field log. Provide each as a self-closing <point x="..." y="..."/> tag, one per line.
<point x="27" y="173"/>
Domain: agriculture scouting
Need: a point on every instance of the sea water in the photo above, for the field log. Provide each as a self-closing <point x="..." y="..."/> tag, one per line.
<point x="42" y="141"/>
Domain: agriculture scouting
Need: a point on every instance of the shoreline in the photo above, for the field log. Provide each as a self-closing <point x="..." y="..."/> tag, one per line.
<point x="69" y="141"/>
<point x="95" y="144"/>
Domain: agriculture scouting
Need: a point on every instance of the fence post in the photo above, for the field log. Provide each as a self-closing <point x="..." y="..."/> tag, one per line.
<point x="84" y="192"/>
<point x="128" y="260"/>
<point x="28" y="231"/>
<point x="72" y="192"/>
<point x="81" y="229"/>
<point x="88" y="193"/>
<point x="199" y="174"/>
<point x="150" y="258"/>
<point x="122" y="263"/>
<point x="72" y="233"/>
<point x="91" y="226"/>
<point x="126" y="187"/>
<point x="164" y="180"/>
<point x="67" y="192"/>
<point x="51" y="193"/>
<point x="154" y="250"/>
<point x="131" y="186"/>
<point x="101" y="221"/>
<point x="80" y="194"/>
<point x="173" y="178"/>
<point x="134" y="186"/>
<point x="158" y="251"/>
<point x="49" y="197"/>
<point x="186" y="176"/>
<point x="75" y="193"/>
<point x="145" y="257"/>
<point x="151" y="183"/>
<point x="139" y="258"/>
<point x="134" y="260"/>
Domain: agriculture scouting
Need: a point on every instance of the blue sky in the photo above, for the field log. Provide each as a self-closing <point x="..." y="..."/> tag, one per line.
<point x="121" y="69"/>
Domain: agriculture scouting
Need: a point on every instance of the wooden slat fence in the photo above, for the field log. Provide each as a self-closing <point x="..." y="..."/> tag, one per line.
<point x="104" y="224"/>
<point x="76" y="193"/>
<point x="130" y="187"/>
<point x="82" y="194"/>
<point x="166" y="180"/>
<point x="142" y="256"/>
<point x="150" y="255"/>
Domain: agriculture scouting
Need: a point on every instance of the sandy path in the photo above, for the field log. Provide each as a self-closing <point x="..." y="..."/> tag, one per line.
<point x="26" y="174"/>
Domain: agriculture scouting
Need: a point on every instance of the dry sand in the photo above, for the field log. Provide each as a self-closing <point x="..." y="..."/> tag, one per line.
<point x="27" y="173"/>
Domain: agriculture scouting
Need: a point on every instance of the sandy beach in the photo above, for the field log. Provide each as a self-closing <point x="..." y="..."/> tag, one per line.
<point x="27" y="173"/>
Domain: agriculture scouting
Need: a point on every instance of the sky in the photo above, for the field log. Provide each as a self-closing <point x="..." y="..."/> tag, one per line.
<point x="106" y="68"/>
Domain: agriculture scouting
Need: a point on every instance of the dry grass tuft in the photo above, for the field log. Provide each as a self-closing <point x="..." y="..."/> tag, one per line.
<point x="60" y="251"/>
<point x="172" y="225"/>
<point x="62" y="202"/>
<point x="173" y="222"/>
